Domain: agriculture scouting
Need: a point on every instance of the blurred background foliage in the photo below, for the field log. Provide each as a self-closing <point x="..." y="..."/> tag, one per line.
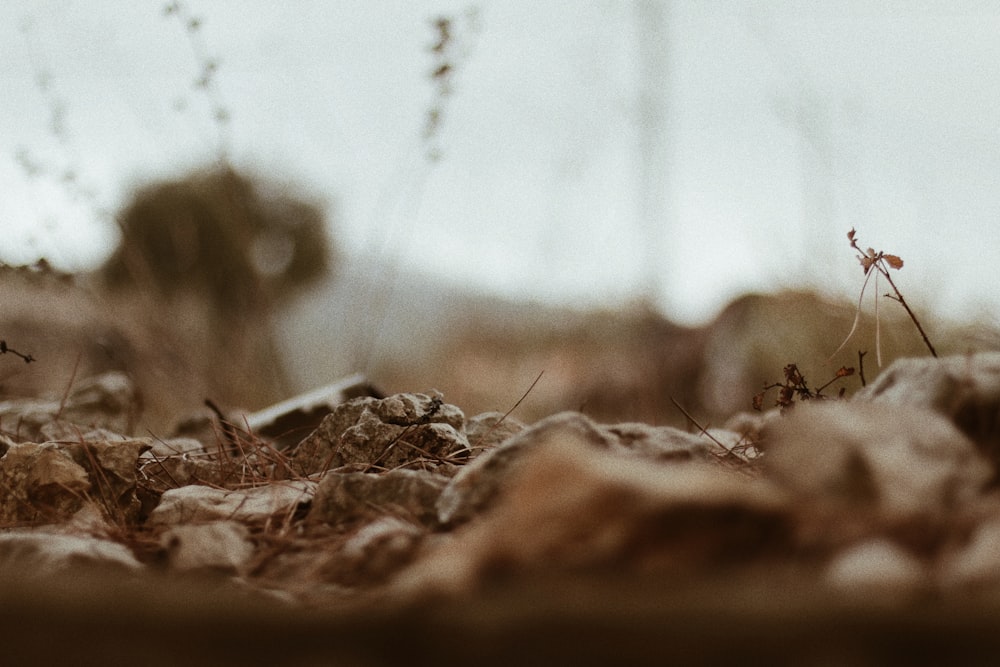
<point x="241" y="243"/>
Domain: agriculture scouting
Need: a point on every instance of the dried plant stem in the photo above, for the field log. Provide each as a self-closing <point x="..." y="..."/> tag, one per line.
<point x="916" y="322"/>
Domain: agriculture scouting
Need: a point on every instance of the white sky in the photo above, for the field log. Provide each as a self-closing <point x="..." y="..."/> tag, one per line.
<point x="786" y="124"/>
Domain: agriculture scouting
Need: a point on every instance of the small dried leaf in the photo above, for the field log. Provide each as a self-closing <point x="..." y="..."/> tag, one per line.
<point x="893" y="261"/>
<point x="844" y="371"/>
<point x="850" y="234"/>
<point x="785" y="396"/>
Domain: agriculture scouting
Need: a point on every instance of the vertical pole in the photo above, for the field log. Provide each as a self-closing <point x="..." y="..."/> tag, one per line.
<point x="652" y="158"/>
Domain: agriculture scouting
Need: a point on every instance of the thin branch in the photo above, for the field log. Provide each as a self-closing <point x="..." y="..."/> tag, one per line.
<point x="916" y="322"/>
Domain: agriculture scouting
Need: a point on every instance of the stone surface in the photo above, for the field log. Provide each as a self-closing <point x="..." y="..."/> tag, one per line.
<point x="963" y="388"/>
<point x="661" y="443"/>
<point x="40" y="483"/>
<point x="976" y="565"/>
<point x="489" y="429"/>
<point x="222" y="546"/>
<point x="377" y="551"/>
<point x="108" y="401"/>
<point x="895" y="460"/>
<point x="477" y="485"/>
<point x="50" y="481"/>
<point x="414" y="430"/>
<point x="40" y="553"/>
<point x="342" y="497"/>
<point x="574" y="505"/>
<point x="878" y="566"/>
<point x="189" y="504"/>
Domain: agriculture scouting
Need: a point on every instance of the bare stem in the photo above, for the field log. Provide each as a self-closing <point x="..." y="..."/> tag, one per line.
<point x="902" y="301"/>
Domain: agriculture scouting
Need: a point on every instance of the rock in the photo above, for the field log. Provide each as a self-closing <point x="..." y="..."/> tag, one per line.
<point x="477" y="485"/>
<point x="572" y="505"/>
<point x="217" y="545"/>
<point x="663" y="443"/>
<point x="977" y="564"/>
<point x="50" y="481"/>
<point x="287" y="422"/>
<point x="963" y="388"/>
<point x="394" y="432"/>
<point x="112" y="467"/>
<point x="40" y="484"/>
<point x="162" y="448"/>
<point x="342" y="497"/>
<point x="895" y="460"/>
<point x="374" y="553"/>
<point x="108" y="401"/>
<point x="37" y="553"/>
<point x="878" y="567"/>
<point x="182" y="461"/>
<point x="191" y="504"/>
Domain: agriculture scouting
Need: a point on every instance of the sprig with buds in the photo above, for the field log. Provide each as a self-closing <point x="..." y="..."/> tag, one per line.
<point x="881" y="262"/>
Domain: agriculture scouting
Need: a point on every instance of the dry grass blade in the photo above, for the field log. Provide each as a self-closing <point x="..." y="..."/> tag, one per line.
<point x="507" y="414"/>
<point x="857" y="319"/>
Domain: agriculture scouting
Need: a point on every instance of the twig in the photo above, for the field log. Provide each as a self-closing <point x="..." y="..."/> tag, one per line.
<point x="4" y="350"/>
<point x="69" y="385"/>
<point x="506" y="414"/>
<point x="902" y="302"/>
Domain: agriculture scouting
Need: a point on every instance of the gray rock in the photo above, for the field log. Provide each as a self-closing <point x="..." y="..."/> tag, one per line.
<point x="895" y="460"/>
<point x="963" y="388"/>
<point x="193" y="504"/>
<point x="383" y="434"/>
<point x="287" y="422"/>
<point x="344" y="497"/>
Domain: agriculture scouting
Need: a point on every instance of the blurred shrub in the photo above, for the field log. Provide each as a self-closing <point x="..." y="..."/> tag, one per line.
<point x="216" y="233"/>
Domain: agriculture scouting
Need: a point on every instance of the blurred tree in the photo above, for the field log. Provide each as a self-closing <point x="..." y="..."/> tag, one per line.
<point x="219" y="234"/>
<point x="239" y="246"/>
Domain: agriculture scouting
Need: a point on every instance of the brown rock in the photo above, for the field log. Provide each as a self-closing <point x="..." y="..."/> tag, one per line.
<point x="342" y="497"/>
<point x="40" y="483"/>
<point x="478" y="484"/>
<point x="217" y="546"/>
<point x="572" y="505"/>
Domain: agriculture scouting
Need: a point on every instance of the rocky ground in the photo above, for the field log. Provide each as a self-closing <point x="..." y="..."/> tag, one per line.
<point x="398" y="529"/>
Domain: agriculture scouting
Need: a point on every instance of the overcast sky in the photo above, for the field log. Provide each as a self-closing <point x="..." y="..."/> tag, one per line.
<point x="587" y="152"/>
